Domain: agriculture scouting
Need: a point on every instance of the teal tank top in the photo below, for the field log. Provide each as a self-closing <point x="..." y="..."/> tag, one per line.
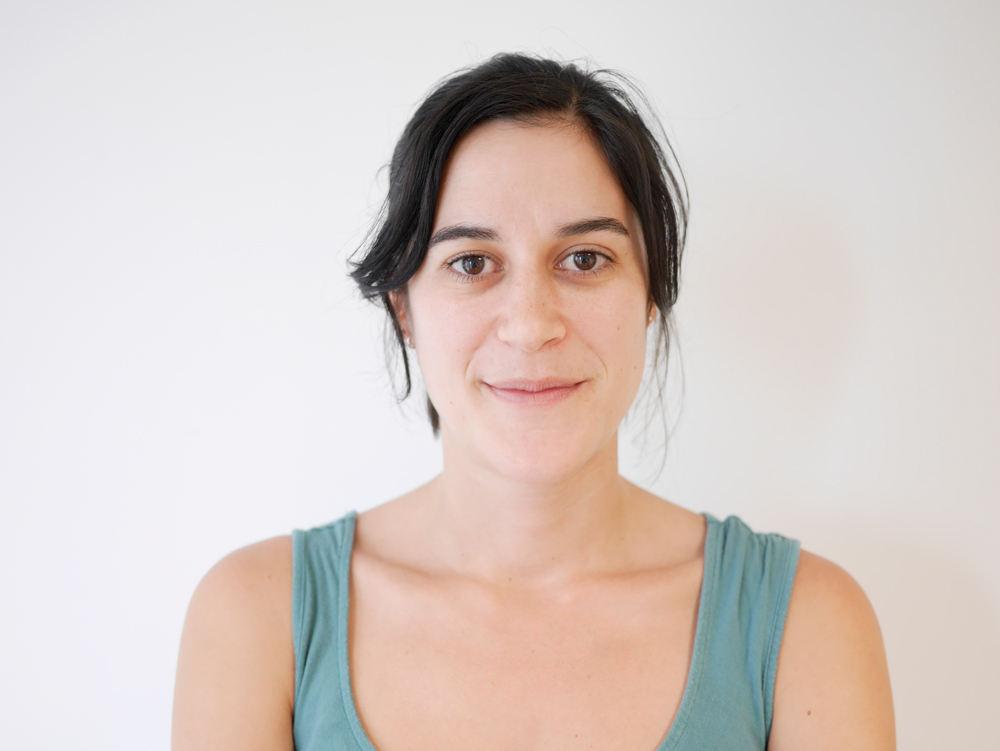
<point x="729" y="694"/>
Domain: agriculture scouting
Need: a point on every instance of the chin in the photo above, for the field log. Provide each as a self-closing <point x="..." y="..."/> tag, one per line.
<point x="542" y="457"/>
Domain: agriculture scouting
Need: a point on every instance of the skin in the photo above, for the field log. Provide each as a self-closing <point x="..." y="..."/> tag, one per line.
<point x="528" y="597"/>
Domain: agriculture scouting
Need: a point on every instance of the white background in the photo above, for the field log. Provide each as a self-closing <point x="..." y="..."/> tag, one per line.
<point x="185" y="369"/>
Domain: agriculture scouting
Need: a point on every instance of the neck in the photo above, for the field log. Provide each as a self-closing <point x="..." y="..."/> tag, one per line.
<point x="512" y="531"/>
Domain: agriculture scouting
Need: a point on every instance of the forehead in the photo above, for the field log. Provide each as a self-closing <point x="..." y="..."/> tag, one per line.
<point x="511" y="173"/>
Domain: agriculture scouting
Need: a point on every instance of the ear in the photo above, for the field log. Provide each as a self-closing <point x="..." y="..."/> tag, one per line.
<point x="651" y="314"/>
<point x="398" y="301"/>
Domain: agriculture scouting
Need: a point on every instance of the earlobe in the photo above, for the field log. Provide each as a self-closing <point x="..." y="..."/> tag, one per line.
<point x="397" y="299"/>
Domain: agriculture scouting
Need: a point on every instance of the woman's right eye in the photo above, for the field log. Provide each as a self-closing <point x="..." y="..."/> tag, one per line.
<point x="470" y="265"/>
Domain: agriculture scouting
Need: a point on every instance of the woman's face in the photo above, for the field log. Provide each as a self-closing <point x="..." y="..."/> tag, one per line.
<point x="529" y="313"/>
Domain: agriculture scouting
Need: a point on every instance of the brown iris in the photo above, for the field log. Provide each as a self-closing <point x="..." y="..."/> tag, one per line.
<point x="585" y="261"/>
<point x="473" y="265"/>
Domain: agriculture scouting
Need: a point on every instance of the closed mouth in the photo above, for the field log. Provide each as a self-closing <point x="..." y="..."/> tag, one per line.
<point x="534" y="392"/>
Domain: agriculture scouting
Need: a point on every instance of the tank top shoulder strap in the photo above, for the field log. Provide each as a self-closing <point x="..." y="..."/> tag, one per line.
<point x="321" y="560"/>
<point x="744" y="601"/>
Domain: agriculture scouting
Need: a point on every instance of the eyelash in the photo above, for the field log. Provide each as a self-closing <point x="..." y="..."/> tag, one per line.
<point x="451" y="263"/>
<point x="607" y="261"/>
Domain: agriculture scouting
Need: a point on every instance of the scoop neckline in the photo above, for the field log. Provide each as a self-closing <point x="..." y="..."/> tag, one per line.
<point x="695" y="667"/>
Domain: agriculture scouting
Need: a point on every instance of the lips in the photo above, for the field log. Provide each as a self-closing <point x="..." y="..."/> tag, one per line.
<point x="534" y="392"/>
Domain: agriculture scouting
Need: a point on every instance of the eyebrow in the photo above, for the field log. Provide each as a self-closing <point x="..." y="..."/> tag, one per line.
<point x="597" y="224"/>
<point x="463" y="232"/>
<point x="582" y="227"/>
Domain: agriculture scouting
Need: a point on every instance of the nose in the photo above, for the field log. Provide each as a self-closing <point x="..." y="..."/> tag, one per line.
<point x="531" y="316"/>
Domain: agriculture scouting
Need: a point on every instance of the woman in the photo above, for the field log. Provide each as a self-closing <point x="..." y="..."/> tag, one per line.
<point x="529" y="597"/>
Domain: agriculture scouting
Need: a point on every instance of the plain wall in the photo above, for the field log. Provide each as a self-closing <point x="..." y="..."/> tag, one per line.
<point x="185" y="369"/>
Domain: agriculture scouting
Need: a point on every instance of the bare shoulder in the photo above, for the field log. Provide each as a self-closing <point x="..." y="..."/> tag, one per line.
<point x="236" y="670"/>
<point x="253" y="571"/>
<point x="832" y="688"/>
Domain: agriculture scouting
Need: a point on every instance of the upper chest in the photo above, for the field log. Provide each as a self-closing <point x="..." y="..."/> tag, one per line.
<point x="445" y="664"/>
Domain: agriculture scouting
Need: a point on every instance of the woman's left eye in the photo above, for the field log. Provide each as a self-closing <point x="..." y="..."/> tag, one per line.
<point x="586" y="260"/>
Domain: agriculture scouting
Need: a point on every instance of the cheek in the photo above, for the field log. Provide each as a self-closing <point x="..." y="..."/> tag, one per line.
<point x="616" y="332"/>
<point x="447" y="334"/>
<point x="631" y="350"/>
